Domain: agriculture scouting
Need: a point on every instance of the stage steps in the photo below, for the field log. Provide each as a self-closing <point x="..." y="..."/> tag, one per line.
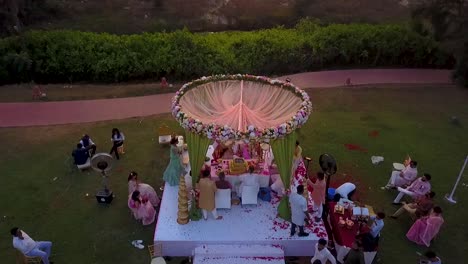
<point x="234" y="254"/>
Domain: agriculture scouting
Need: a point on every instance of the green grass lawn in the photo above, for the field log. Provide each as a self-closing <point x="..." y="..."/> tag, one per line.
<point x="413" y="121"/>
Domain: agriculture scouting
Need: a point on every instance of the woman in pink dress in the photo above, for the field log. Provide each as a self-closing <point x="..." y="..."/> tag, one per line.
<point x="318" y="193"/>
<point x="246" y="151"/>
<point x="425" y="229"/>
<point x="141" y="208"/>
<point x="145" y="189"/>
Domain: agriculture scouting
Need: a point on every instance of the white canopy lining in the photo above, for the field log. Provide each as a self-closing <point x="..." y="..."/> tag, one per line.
<point x="240" y="104"/>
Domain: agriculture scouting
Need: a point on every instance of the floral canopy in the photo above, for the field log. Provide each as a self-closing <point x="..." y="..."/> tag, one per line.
<point x="234" y="107"/>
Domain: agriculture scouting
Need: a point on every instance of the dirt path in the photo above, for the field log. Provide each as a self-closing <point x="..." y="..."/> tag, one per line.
<point x="67" y="112"/>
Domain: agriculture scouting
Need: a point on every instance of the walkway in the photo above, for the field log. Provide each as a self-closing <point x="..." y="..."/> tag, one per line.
<point x="67" y="112"/>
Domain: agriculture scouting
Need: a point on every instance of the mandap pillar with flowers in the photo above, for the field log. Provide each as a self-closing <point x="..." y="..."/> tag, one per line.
<point x="242" y="107"/>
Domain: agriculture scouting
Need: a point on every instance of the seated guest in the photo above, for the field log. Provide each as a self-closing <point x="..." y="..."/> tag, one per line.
<point x="355" y="255"/>
<point x="88" y="144"/>
<point x="346" y="190"/>
<point x="80" y="155"/>
<point x="29" y="247"/>
<point x="378" y="224"/>
<point x="322" y="253"/>
<point x="249" y="179"/>
<point x="417" y="189"/>
<point x="430" y="258"/>
<point x="145" y="190"/>
<point x="141" y="208"/>
<point x="404" y="177"/>
<point x="222" y="183"/>
<point x="426" y="228"/>
<point x="420" y="207"/>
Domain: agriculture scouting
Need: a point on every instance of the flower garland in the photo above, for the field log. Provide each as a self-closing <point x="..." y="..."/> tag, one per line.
<point x="224" y="133"/>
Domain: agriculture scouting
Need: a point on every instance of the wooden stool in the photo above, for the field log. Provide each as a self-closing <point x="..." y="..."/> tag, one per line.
<point x="22" y="259"/>
<point x="121" y="149"/>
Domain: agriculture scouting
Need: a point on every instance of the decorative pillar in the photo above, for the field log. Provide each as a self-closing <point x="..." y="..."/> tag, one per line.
<point x="183" y="213"/>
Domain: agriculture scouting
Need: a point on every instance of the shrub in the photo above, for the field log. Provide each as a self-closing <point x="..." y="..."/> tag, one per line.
<point x="63" y="56"/>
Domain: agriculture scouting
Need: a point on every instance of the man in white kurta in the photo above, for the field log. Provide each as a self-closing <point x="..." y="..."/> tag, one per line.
<point x="404" y="177"/>
<point x="298" y="211"/>
<point x="322" y="253"/>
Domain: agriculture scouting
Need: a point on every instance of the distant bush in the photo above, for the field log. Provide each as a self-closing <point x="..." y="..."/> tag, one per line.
<point x="461" y="70"/>
<point x="63" y="56"/>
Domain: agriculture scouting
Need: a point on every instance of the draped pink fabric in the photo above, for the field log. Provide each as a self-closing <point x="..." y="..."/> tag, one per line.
<point x="239" y="104"/>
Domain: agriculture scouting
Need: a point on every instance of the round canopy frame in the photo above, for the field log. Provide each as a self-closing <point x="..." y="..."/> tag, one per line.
<point x="241" y="107"/>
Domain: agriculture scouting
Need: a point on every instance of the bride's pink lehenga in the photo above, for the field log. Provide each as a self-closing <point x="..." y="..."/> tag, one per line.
<point x="145" y="191"/>
<point x="424" y="230"/>
<point x="142" y="209"/>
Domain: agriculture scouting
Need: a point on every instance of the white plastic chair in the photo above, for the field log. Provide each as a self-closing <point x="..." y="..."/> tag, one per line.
<point x="250" y="194"/>
<point x="223" y="199"/>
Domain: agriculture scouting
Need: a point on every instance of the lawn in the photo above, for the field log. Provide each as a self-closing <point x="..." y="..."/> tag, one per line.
<point x="42" y="193"/>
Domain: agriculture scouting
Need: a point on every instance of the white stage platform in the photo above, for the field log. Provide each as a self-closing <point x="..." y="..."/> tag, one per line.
<point x="240" y="226"/>
<point x="234" y="254"/>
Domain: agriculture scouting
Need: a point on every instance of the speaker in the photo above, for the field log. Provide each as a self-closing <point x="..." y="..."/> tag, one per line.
<point x="104" y="197"/>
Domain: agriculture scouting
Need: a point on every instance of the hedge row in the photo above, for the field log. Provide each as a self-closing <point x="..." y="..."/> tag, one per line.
<point x="63" y="56"/>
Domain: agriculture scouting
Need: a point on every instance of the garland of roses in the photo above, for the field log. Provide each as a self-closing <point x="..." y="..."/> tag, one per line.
<point x="224" y="133"/>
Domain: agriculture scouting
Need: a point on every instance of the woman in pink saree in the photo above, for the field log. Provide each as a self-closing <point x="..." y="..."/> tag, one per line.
<point x="425" y="229"/>
<point x="145" y="189"/>
<point x="141" y="208"/>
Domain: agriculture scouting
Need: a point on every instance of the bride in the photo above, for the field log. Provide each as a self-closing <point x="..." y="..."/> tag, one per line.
<point x="145" y="189"/>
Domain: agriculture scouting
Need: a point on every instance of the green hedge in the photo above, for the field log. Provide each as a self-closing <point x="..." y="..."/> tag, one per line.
<point x="63" y="56"/>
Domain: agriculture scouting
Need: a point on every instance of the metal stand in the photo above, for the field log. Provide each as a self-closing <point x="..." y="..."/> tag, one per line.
<point x="450" y="197"/>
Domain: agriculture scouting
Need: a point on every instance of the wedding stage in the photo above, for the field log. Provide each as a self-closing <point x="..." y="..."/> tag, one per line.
<point x="248" y="225"/>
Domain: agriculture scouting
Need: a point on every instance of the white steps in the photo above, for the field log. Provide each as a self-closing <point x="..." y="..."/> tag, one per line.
<point x="234" y="254"/>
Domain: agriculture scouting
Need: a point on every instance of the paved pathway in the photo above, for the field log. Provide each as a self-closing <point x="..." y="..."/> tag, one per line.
<point x="67" y="112"/>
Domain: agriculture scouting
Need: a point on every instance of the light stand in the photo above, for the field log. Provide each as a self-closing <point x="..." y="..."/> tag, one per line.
<point x="450" y="197"/>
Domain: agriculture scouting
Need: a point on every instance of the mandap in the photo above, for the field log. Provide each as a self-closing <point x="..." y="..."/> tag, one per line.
<point x="242" y="107"/>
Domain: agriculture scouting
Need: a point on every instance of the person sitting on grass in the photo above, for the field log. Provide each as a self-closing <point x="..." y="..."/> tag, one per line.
<point x="80" y="155"/>
<point x="88" y="144"/>
<point x="420" y="207"/>
<point x="403" y="178"/>
<point x="416" y="190"/>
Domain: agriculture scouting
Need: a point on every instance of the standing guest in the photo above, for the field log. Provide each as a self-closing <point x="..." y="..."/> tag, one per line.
<point x="420" y="207"/>
<point x="249" y="179"/>
<point x="346" y="190"/>
<point x="297" y="156"/>
<point x="404" y="177"/>
<point x="318" y="193"/>
<point x="222" y="183"/>
<point x="88" y="144"/>
<point x="431" y="258"/>
<point x="299" y="212"/>
<point x="117" y="141"/>
<point x="417" y="189"/>
<point x="355" y="254"/>
<point x="141" y="208"/>
<point x="29" y="247"/>
<point x="80" y="155"/>
<point x="145" y="189"/>
<point x="322" y="253"/>
<point x="206" y="201"/>
<point x="175" y="169"/>
<point x="425" y="229"/>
